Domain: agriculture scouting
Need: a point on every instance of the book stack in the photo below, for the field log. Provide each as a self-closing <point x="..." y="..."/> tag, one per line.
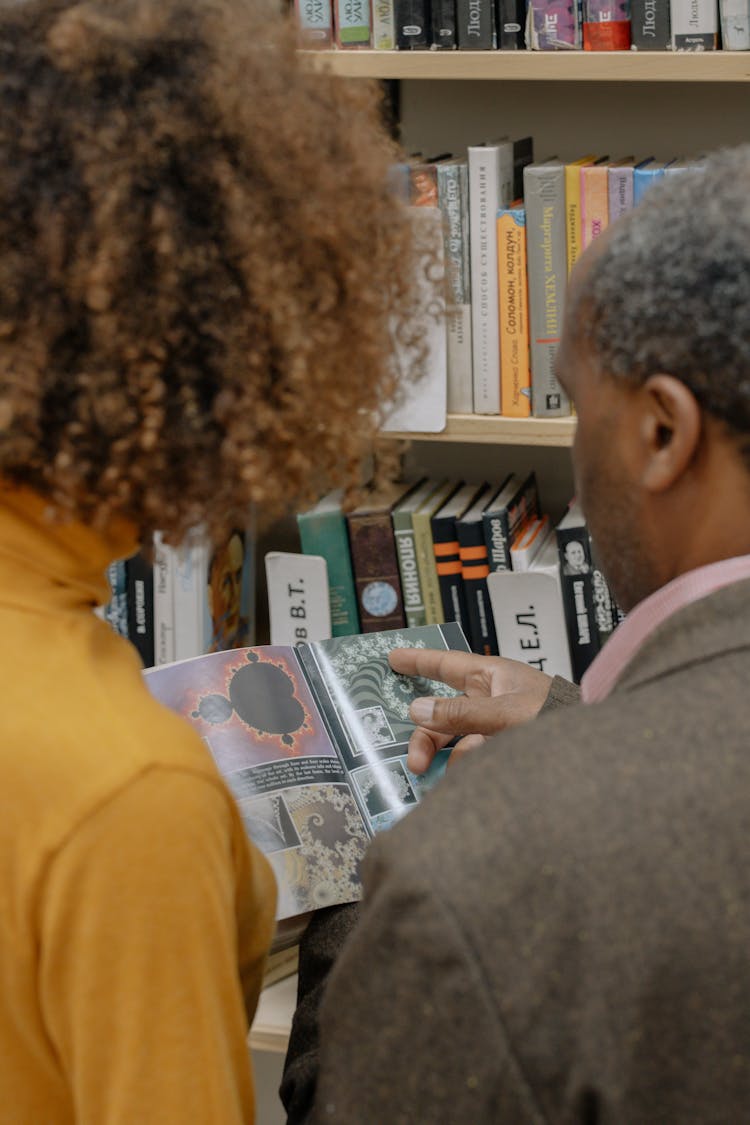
<point x="483" y="555"/>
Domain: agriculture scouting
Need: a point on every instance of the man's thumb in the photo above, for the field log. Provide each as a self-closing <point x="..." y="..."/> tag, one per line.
<point x="463" y="714"/>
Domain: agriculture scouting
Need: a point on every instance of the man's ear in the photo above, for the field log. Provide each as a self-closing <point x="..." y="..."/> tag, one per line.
<point x="670" y="429"/>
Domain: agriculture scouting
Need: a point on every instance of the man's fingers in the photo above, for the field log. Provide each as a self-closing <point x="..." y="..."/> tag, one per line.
<point x="473" y="715"/>
<point x="452" y="668"/>
<point x="423" y="746"/>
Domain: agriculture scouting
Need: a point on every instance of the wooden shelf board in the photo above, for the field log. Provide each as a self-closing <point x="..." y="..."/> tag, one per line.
<point x="544" y="66"/>
<point x="488" y="429"/>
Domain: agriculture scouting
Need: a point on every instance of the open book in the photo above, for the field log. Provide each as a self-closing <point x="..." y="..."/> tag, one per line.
<point x="312" y="742"/>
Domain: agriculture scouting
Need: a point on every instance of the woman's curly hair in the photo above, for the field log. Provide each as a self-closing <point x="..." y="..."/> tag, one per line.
<point x="201" y="264"/>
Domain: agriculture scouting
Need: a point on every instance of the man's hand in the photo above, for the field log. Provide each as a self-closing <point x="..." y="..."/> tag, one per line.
<point x="498" y="693"/>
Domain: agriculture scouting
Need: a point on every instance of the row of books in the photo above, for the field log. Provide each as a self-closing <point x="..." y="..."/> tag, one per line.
<point x="540" y="25"/>
<point x="175" y="603"/>
<point x="513" y="229"/>
<point x="483" y="556"/>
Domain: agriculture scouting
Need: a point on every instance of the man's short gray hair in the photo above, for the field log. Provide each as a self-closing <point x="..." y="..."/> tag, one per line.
<point x="670" y="292"/>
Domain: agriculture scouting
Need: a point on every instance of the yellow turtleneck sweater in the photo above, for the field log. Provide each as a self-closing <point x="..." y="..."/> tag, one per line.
<point x="133" y="912"/>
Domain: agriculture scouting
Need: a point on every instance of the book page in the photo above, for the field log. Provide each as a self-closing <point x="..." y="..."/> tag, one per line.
<point x="254" y="710"/>
<point x="367" y="707"/>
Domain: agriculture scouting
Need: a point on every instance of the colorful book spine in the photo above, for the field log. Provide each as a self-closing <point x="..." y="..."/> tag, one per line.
<point x="453" y="200"/>
<point x="447" y="555"/>
<point x="443" y="25"/>
<point x="620" y="189"/>
<point x="594" y="201"/>
<point x="606" y="25"/>
<point x="735" y="24"/>
<point x="412" y="20"/>
<point x="695" y="25"/>
<point x="505" y="513"/>
<point x="546" y="253"/>
<point x="423" y="184"/>
<point x="553" y="25"/>
<point x="352" y="23"/>
<point x="650" y="28"/>
<point x="475" y="569"/>
<point x="406" y="552"/>
<point x="645" y="175"/>
<point x="510" y="19"/>
<point x="527" y="543"/>
<point x="116" y="609"/>
<point x="323" y="531"/>
<point x="375" y="567"/>
<point x="490" y="188"/>
<point x="513" y="313"/>
<point x="315" y="22"/>
<point x="573" y="237"/>
<point x="475" y="25"/>
<point x="139" y="577"/>
<point x="426" y="564"/>
<point x="383" y="25"/>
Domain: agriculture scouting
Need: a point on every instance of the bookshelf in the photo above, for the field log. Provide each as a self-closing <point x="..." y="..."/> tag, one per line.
<point x="488" y="429"/>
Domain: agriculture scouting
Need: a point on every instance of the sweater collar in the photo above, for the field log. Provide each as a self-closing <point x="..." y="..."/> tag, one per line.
<point x="44" y="562"/>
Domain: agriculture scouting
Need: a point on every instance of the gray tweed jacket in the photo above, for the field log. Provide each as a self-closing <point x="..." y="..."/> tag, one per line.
<point x="561" y="931"/>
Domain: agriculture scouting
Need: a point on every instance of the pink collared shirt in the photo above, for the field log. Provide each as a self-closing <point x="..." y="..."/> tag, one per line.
<point x="640" y="623"/>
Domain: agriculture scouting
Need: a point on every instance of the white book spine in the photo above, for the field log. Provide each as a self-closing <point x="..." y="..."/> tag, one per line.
<point x="383" y="25"/>
<point x="620" y="189"/>
<point x="163" y="601"/>
<point x="490" y="187"/>
<point x="695" y="25"/>
<point x="453" y="200"/>
<point x="735" y="24"/>
<point x="529" y="617"/>
<point x="190" y="578"/>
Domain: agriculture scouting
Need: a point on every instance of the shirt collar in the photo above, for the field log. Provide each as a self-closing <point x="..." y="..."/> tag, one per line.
<point x="604" y="672"/>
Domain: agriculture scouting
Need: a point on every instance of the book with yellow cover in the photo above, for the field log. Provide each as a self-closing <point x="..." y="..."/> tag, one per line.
<point x="573" y="208"/>
<point x="513" y="312"/>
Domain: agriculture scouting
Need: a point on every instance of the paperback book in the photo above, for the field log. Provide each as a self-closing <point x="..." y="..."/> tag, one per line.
<point x="312" y="741"/>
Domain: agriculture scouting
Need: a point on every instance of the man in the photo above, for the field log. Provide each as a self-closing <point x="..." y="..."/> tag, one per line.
<point x="560" y="932"/>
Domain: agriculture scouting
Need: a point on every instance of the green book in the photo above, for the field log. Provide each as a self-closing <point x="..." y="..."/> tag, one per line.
<point x="323" y="531"/>
<point x="406" y="551"/>
<point x="426" y="565"/>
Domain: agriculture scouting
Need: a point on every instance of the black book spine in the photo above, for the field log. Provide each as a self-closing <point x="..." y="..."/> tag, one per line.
<point x="139" y="577"/>
<point x="650" y="28"/>
<point x="577" y="582"/>
<point x="474" y="571"/>
<point x="510" y="20"/>
<point x="496" y="528"/>
<point x="475" y="25"/>
<point x="448" y="564"/>
<point x="412" y="19"/>
<point x="443" y="19"/>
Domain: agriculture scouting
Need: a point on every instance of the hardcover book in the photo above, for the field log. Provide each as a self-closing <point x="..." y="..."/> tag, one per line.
<point x="553" y="25"/>
<point x="735" y="24"/>
<point x="576" y="569"/>
<point x="513" y="313"/>
<point x="606" y="25"/>
<point x="139" y="579"/>
<point x="546" y="253"/>
<point x="352" y="23"/>
<point x="475" y="25"/>
<point x="412" y="20"/>
<point x="426" y="564"/>
<point x="649" y="25"/>
<point x="594" y="201"/>
<point x="311" y="740"/>
<point x="645" y="175"/>
<point x="510" y="20"/>
<point x="447" y="553"/>
<point x="323" y="531"/>
<point x="406" y="550"/>
<point x="695" y="25"/>
<point x="528" y="612"/>
<point x="315" y="22"/>
<point x="514" y="503"/>
<point x="453" y="201"/>
<point x="443" y="25"/>
<point x="573" y="236"/>
<point x="383" y="25"/>
<point x="620" y="189"/>
<point x="115" y="612"/>
<point x="472" y="551"/>
<point x="374" y="562"/>
<point x="163" y="601"/>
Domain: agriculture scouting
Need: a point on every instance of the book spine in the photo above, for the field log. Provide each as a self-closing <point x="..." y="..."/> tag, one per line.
<point x="116" y="610"/>
<point x="529" y="619"/>
<point x="411" y="585"/>
<point x="695" y="25"/>
<point x="412" y="25"/>
<point x="513" y="313"/>
<point x="606" y="25"/>
<point x="383" y="25"/>
<point x="496" y="527"/>
<point x="510" y="19"/>
<point x="375" y="567"/>
<point x="352" y="23"/>
<point x="326" y="534"/>
<point x="735" y="25"/>
<point x="190" y="576"/>
<point x="643" y="179"/>
<point x="475" y="25"/>
<point x="578" y="602"/>
<point x="619" y="191"/>
<point x="490" y="187"/>
<point x="650" y="25"/>
<point x="573" y="238"/>
<point x="594" y="201"/>
<point x="427" y="567"/>
<point x="448" y="563"/>
<point x="443" y="20"/>
<point x="474" y="572"/>
<point x="547" y="270"/>
<point x="315" y="22"/>
<point x="139" y="576"/>
<point x="163" y="601"/>
<point x="553" y="26"/>
<point x="453" y="200"/>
